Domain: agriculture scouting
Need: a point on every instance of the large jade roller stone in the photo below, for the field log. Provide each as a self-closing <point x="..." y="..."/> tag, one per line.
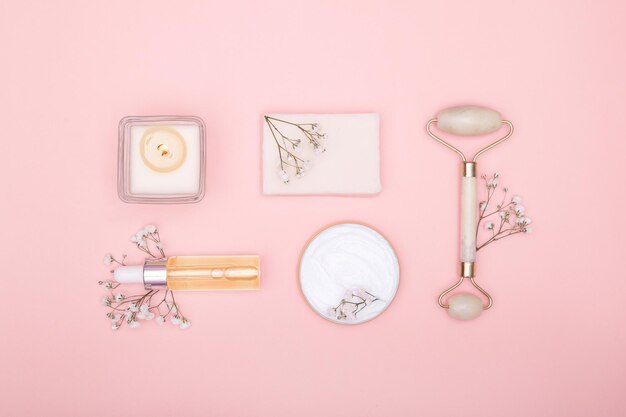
<point x="468" y="120"/>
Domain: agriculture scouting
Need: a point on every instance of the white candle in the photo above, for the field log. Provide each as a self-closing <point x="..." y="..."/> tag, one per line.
<point x="163" y="159"/>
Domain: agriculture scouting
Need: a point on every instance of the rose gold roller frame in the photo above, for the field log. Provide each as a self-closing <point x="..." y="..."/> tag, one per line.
<point x="467" y="269"/>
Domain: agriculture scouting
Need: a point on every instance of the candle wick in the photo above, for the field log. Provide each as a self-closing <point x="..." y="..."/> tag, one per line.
<point x="164" y="150"/>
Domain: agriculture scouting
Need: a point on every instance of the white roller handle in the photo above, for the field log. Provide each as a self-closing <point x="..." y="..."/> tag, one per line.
<point x="468" y="219"/>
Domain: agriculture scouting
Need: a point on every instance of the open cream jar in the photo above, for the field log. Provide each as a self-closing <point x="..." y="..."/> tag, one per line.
<point x="349" y="273"/>
<point x="161" y="159"/>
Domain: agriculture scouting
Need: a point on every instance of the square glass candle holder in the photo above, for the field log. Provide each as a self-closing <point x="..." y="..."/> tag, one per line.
<point x="161" y="159"/>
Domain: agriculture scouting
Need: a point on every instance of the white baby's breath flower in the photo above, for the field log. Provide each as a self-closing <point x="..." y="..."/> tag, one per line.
<point x="511" y="213"/>
<point x="145" y="316"/>
<point x="108" y="259"/>
<point x="348" y="311"/>
<point x="283" y="175"/>
<point x="366" y="296"/>
<point x="119" y="311"/>
<point x="145" y="313"/>
<point x="361" y="293"/>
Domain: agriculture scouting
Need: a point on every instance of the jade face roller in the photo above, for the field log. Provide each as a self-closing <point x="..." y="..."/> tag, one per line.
<point x="467" y="121"/>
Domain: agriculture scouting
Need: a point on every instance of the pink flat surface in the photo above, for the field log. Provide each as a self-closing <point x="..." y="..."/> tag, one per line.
<point x="554" y="343"/>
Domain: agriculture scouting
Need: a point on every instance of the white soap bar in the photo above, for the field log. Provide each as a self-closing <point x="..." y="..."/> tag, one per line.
<point x="348" y="164"/>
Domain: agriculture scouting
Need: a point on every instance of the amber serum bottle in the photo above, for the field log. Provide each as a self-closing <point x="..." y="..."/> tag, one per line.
<point x="195" y="273"/>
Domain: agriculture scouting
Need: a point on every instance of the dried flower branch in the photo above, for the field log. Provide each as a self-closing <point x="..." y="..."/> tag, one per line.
<point x="110" y="260"/>
<point x="289" y="147"/>
<point x="149" y="241"/>
<point x="146" y="306"/>
<point x="510" y="213"/>
<point x="352" y="303"/>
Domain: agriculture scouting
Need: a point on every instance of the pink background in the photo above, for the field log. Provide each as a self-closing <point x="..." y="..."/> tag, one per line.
<point x="554" y="343"/>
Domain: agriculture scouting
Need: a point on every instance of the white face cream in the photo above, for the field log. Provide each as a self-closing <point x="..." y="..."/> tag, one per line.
<point x="349" y="273"/>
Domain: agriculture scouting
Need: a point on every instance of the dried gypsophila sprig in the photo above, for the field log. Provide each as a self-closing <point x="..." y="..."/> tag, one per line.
<point x="511" y="214"/>
<point x="129" y="310"/>
<point x="144" y="237"/>
<point x="288" y="147"/>
<point x="352" y="303"/>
